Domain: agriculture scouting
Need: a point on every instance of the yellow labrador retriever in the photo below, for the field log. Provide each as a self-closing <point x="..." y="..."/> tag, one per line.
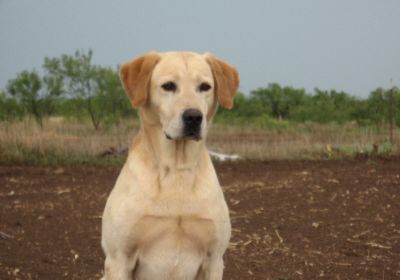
<point x="166" y="217"/>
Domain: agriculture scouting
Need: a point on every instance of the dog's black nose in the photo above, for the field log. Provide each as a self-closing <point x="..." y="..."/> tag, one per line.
<point x="192" y="118"/>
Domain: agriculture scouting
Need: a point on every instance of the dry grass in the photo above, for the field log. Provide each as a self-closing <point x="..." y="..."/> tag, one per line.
<point x="62" y="139"/>
<point x="303" y="141"/>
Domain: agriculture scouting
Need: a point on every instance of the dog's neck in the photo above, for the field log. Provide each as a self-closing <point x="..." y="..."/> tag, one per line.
<point x="169" y="154"/>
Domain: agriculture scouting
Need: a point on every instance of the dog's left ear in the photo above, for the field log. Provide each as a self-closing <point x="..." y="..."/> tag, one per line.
<point x="226" y="80"/>
<point x="136" y="77"/>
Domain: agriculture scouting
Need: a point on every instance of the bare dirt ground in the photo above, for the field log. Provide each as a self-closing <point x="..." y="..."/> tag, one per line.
<point x="291" y="220"/>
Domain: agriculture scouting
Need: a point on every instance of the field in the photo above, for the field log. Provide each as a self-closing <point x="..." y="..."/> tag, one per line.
<point x="71" y="141"/>
<point x="320" y="219"/>
<point x="295" y="214"/>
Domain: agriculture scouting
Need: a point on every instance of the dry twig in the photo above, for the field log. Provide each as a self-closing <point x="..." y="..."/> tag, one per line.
<point x="5" y="235"/>
<point x="278" y="235"/>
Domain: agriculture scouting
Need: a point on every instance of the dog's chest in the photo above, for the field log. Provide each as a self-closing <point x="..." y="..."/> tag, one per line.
<point x="181" y="214"/>
<point x="175" y="246"/>
<point x="176" y="233"/>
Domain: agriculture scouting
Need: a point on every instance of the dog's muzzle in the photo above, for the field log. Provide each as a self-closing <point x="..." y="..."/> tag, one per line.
<point x="192" y="119"/>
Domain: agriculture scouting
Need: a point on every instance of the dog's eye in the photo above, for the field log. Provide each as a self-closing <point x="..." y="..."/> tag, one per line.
<point x="169" y="86"/>
<point x="204" y="87"/>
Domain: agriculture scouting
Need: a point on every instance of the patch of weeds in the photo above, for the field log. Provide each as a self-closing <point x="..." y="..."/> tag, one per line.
<point x="386" y="149"/>
<point x="20" y="154"/>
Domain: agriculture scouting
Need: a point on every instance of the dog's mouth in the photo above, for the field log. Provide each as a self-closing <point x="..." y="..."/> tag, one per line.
<point x="195" y="137"/>
<point x="192" y="137"/>
<point x="168" y="137"/>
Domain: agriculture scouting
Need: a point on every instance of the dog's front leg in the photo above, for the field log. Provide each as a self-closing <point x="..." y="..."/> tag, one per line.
<point x="212" y="269"/>
<point x="118" y="268"/>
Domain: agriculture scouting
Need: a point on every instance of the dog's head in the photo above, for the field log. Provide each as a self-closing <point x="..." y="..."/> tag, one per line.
<point x="179" y="90"/>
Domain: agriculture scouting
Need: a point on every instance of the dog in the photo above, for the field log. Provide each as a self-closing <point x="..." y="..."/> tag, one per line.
<point x="166" y="217"/>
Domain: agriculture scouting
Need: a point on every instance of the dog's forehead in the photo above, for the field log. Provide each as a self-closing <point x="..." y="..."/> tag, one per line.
<point x="181" y="63"/>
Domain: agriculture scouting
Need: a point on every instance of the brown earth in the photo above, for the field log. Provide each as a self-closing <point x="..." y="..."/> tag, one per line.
<point x="291" y="220"/>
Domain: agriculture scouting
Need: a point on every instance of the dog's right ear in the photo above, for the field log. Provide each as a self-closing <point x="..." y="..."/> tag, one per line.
<point x="136" y="77"/>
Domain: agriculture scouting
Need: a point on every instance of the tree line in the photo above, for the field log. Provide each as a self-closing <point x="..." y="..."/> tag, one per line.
<point x="265" y="106"/>
<point x="70" y="86"/>
<point x="73" y="87"/>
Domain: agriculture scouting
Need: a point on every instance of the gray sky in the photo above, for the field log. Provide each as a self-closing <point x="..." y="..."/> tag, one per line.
<point x="350" y="45"/>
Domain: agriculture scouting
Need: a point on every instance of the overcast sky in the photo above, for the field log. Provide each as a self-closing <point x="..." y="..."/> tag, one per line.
<point x="350" y="45"/>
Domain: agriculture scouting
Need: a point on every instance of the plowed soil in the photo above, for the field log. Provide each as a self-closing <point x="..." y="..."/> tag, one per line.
<point x="291" y="220"/>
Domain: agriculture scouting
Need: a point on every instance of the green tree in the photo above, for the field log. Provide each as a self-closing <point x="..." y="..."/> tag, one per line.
<point x="378" y="106"/>
<point x="245" y="109"/>
<point x="397" y="106"/>
<point x="279" y="101"/>
<point x="360" y="112"/>
<point x="110" y="101"/>
<point x="78" y="75"/>
<point x="9" y="108"/>
<point x="96" y="90"/>
<point x="38" y="96"/>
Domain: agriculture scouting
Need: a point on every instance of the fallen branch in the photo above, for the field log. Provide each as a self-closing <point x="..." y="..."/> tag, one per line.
<point x="343" y="264"/>
<point x="278" y="235"/>
<point x="361" y="234"/>
<point x="376" y="245"/>
<point x="5" y="235"/>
